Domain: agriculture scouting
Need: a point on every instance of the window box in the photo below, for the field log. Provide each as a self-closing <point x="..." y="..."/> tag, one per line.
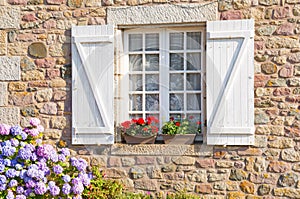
<point x="178" y="138"/>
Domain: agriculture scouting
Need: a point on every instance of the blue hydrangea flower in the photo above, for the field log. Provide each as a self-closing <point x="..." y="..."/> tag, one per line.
<point x="16" y="130"/>
<point x="14" y="142"/>
<point x="78" y="188"/>
<point x="2" y="179"/>
<point x="10" y="173"/>
<point x="8" y="151"/>
<point x="66" y="178"/>
<point x="27" y="192"/>
<point x="2" y="167"/>
<point x="24" y="135"/>
<point x="13" y="183"/>
<point x="65" y="151"/>
<point x="7" y="162"/>
<point x="3" y="187"/>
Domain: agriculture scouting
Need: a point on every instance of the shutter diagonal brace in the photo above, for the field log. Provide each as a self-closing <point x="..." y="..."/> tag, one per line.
<point x="91" y="80"/>
<point x="229" y="77"/>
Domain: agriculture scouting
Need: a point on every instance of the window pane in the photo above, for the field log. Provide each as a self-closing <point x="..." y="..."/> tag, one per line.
<point x="152" y="62"/>
<point x="135" y="42"/>
<point x="134" y="116"/>
<point x="136" y="82"/>
<point x="176" y="41"/>
<point x="152" y="42"/>
<point x="152" y="82"/>
<point x="193" y="82"/>
<point x="136" y="102"/>
<point x="135" y="63"/>
<point x="176" y="116"/>
<point x="176" y="82"/>
<point x="176" y="61"/>
<point x="193" y="61"/>
<point x="193" y="40"/>
<point x="193" y="102"/>
<point x="192" y="117"/>
<point x="176" y="102"/>
<point x="152" y="102"/>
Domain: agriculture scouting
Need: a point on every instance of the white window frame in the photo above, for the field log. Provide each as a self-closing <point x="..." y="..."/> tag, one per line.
<point x="164" y="80"/>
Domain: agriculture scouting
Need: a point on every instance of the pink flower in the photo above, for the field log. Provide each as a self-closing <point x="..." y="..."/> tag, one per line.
<point x="4" y="129"/>
<point x="34" y="121"/>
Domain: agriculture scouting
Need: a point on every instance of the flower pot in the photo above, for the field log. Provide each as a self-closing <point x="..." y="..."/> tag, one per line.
<point x="129" y="139"/>
<point x="179" y="138"/>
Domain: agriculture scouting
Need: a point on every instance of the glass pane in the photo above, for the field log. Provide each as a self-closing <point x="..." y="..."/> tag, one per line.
<point x="193" y="40"/>
<point x="192" y="117"/>
<point x="176" y="102"/>
<point x="176" y="61"/>
<point x="193" y="61"/>
<point x="136" y="102"/>
<point x="152" y="102"/>
<point x="176" y="116"/>
<point x="135" y="42"/>
<point x="156" y="117"/>
<point x="193" y="82"/>
<point x="176" y="82"/>
<point x="152" y="62"/>
<point x="134" y="116"/>
<point x="136" y="82"/>
<point x="135" y="63"/>
<point x="176" y="41"/>
<point x="193" y="101"/>
<point x="152" y="82"/>
<point x="152" y="42"/>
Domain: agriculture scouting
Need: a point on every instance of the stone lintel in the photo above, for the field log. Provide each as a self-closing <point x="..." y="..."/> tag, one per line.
<point x="162" y="14"/>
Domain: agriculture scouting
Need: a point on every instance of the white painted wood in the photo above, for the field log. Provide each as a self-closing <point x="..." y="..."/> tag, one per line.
<point x="230" y="72"/>
<point x="92" y="84"/>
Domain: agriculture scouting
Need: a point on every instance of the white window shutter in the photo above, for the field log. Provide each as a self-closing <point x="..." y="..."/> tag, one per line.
<point x="92" y="84"/>
<point x="230" y="82"/>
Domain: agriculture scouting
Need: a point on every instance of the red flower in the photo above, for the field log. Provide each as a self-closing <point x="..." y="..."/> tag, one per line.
<point x="191" y="117"/>
<point x="126" y="124"/>
<point x="198" y="122"/>
<point x="134" y="120"/>
<point x="177" y="123"/>
<point x="171" y="118"/>
<point x="140" y="121"/>
<point x="151" y="119"/>
<point x="154" y="129"/>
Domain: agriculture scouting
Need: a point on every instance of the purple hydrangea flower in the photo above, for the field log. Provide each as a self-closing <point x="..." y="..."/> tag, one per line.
<point x="7" y="162"/>
<point x="2" y="167"/>
<point x="3" y="187"/>
<point x="27" y="192"/>
<point x="74" y="161"/>
<point x="45" y="151"/>
<point x="40" y="188"/>
<point x="24" y="136"/>
<point x="66" y="189"/>
<point x="54" y="190"/>
<point x="65" y="151"/>
<point x="10" y="173"/>
<point x="84" y="178"/>
<point x="34" y="121"/>
<point x="78" y="188"/>
<point x="66" y="178"/>
<point x="77" y="197"/>
<point x="4" y="129"/>
<point x="33" y="157"/>
<point x="13" y="183"/>
<point x="18" y="166"/>
<point x="20" y="196"/>
<point x="32" y="132"/>
<point x="10" y="195"/>
<point x="81" y="165"/>
<point x="20" y="190"/>
<point x="16" y="130"/>
<point x="54" y="157"/>
<point x="14" y="142"/>
<point x="57" y="169"/>
<point x="61" y="157"/>
<point x="33" y="173"/>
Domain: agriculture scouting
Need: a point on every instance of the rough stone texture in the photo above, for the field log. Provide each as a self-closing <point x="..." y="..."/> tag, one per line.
<point x="159" y="14"/>
<point x="37" y="50"/>
<point x="288" y="180"/>
<point x="9" y="115"/>
<point x="148" y="185"/>
<point x="3" y="94"/>
<point x="9" y="68"/>
<point x="9" y="17"/>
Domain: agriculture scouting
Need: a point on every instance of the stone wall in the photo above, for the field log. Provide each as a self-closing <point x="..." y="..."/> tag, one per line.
<point x="35" y="71"/>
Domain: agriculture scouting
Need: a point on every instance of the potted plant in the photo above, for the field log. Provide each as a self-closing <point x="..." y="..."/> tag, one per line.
<point x="140" y="131"/>
<point x="180" y="131"/>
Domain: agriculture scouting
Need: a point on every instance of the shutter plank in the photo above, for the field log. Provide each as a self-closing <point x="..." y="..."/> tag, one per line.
<point x="230" y="64"/>
<point x="92" y="83"/>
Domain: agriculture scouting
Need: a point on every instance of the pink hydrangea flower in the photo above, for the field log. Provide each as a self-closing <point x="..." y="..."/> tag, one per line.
<point x="4" y="129"/>
<point x="34" y="121"/>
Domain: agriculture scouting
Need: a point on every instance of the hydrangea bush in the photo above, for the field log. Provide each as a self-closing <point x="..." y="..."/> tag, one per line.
<point x="31" y="169"/>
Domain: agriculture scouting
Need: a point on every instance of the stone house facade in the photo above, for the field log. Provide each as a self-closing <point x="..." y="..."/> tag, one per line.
<point x="36" y="81"/>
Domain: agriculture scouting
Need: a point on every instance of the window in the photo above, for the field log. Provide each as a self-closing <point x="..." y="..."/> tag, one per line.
<point x="165" y="69"/>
